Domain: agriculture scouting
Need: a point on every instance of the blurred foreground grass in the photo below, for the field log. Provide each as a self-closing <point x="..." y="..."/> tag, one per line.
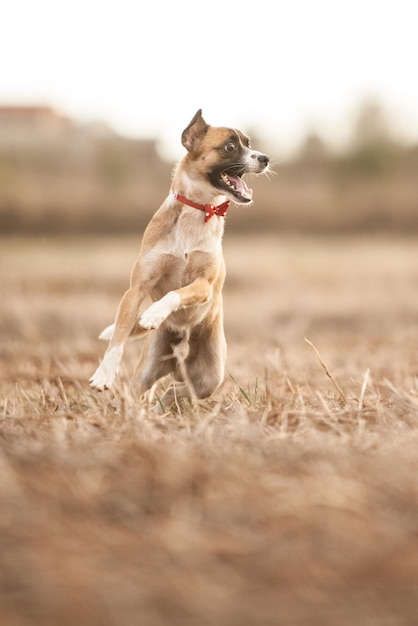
<point x="277" y="501"/>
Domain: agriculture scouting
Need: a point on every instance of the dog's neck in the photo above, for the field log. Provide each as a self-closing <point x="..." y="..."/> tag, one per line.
<point x="201" y="193"/>
<point x="209" y="209"/>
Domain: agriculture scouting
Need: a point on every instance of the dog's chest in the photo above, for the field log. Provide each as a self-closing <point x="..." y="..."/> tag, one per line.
<point x="179" y="252"/>
<point x="191" y="235"/>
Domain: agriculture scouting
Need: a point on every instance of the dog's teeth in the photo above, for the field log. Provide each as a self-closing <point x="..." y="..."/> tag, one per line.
<point x="227" y="181"/>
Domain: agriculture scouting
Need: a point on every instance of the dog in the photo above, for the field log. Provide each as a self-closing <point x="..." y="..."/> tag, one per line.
<point x="181" y="267"/>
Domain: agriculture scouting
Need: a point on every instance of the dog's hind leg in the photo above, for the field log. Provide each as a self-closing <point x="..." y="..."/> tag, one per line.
<point x="202" y="371"/>
<point x="157" y="358"/>
<point x="207" y="358"/>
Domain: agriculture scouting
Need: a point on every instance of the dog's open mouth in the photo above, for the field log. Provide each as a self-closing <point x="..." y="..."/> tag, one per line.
<point x="236" y="186"/>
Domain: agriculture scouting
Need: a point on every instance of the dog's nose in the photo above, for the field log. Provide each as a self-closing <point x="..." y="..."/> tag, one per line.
<point x="263" y="158"/>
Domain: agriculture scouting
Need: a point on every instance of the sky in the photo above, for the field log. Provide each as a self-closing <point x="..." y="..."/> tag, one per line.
<point x="278" y="68"/>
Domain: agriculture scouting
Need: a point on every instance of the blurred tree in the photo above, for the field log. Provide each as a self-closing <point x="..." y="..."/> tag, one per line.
<point x="313" y="149"/>
<point x="372" y="149"/>
<point x="372" y="125"/>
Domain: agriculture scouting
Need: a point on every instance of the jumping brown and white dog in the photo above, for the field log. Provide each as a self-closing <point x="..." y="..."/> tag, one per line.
<point x="181" y="267"/>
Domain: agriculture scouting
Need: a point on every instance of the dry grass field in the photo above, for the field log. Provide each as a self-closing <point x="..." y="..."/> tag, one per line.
<point x="289" y="498"/>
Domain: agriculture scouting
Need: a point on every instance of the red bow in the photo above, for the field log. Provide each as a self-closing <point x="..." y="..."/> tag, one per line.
<point x="209" y="209"/>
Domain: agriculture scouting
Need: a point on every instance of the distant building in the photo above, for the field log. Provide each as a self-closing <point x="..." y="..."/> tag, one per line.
<point x="34" y="129"/>
<point x="23" y="125"/>
<point x="29" y="115"/>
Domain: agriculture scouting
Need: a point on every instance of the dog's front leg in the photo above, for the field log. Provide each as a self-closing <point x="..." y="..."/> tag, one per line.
<point x="158" y="312"/>
<point x="104" y="377"/>
<point x="126" y="319"/>
<point x="198" y="292"/>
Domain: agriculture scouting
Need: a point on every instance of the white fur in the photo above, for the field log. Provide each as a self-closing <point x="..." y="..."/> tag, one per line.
<point x="104" y="376"/>
<point x="254" y="165"/>
<point x="158" y="312"/>
<point x="192" y="233"/>
<point x="107" y="333"/>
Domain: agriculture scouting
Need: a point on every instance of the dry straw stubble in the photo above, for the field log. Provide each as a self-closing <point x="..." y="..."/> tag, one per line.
<point x="273" y="502"/>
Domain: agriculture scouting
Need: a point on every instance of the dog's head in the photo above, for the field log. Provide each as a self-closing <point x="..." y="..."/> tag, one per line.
<point x="221" y="156"/>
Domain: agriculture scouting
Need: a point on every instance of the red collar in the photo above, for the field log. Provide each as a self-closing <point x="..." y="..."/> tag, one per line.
<point x="209" y="209"/>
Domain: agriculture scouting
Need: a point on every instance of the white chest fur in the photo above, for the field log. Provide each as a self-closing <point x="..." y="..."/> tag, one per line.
<point x="192" y="233"/>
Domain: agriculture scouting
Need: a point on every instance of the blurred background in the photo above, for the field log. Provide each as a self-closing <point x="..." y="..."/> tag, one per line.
<point x="275" y="502"/>
<point x="94" y="97"/>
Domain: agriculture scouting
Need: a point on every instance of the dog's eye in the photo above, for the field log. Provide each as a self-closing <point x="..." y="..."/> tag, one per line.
<point x="230" y="146"/>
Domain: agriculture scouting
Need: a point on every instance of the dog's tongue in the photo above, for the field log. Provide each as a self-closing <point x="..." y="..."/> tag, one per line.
<point x="241" y="187"/>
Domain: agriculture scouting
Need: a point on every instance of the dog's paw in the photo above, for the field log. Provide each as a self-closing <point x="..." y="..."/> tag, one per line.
<point x="107" y="333"/>
<point x="158" y="312"/>
<point x="103" y="378"/>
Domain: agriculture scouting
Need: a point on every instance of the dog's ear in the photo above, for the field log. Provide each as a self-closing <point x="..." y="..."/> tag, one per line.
<point x="194" y="132"/>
